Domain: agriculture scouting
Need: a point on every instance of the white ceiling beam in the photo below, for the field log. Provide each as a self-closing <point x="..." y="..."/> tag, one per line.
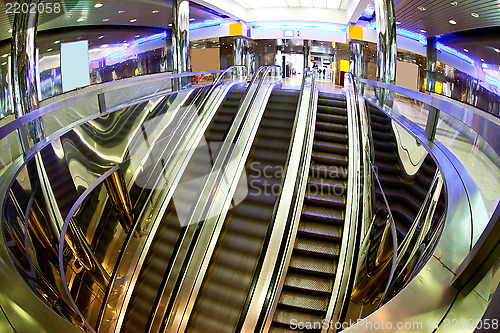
<point x="297" y="14"/>
<point x="355" y="8"/>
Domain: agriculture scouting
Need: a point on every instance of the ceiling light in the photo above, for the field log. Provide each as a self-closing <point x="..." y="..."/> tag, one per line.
<point x="170" y="24"/>
<point x="453" y="3"/>
<point x="10" y="30"/>
<point x="482" y="59"/>
<point x="121" y="11"/>
<point x="100" y="37"/>
<point x="105" y="20"/>
<point x="496" y="50"/>
<point x="81" y="19"/>
<point x="422" y="30"/>
<point x="452" y="22"/>
<point x="155" y="11"/>
<point x="191" y="19"/>
<point x="398" y="23"/>
<point x="422" y="8"/>
<point x="98" y="5"/>
<point x="57" y="42"/>
<point x="5" y="55"/>
<point x="133" y="20"/>
<point x="466" y="50"/>
<point x="136" y="36"/>
<point x="4" y="63"/>
<point x="48" y="50"/>
<point x="476" y="15"/>
<point x="124" y="41"/>
<point x="104" y="45"/>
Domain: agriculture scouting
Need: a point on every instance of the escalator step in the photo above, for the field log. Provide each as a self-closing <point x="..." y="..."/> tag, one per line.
<point x="241" y="245"/>
<point x="313" y="265"/>
<point x="209" y="323"/>
<point x="330" y="147"/>
<point x="327" y="171"/>
<point x="328" y="158"/>
<point x="247" y="226"/>
<point x="333" y="184"/>
<point x="385" y="146"/>
<point x="337" y="110"/>
<point x="223" y="295"/>
<point x="386" y="157"/>
<point x="331" y="118"/>
<point x="317" y="247"/>
<point x="287" y="318"/>
<point x="310" y="283"/>
<point x="330" y="137"/>
<point x="325" y="199"/>
<point x="322" y="214"/>
<point x="305" y="301"/>
<point x="331" y="127"/>
<point x="320" y="230"/>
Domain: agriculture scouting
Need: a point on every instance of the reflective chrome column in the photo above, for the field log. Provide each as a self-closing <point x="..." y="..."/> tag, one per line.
<point x="307" y="53"/>
<point x="430" y="86"/>
<point x="386" y="43"/>
<point x="180" y="39"/>
<point x="24" y="69"/>
<point x="238" y="51"/>
<point x="356" y="65"/>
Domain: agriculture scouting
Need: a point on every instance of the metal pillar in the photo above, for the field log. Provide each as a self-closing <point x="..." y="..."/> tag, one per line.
<point x="238" y="51"/>
<point x="430" y="86"/>
<point x="356" y="65"/>
<point x="386" y="45"/>
<point x="180" y="40"/>
<point x="307" y="53"/>
<point x="23" y="64"/>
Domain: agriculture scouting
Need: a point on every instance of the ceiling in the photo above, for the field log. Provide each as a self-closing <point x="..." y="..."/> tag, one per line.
<point x="433" y="16"/>
<point x="151" y="13"/>
<point x="331" y="4"/>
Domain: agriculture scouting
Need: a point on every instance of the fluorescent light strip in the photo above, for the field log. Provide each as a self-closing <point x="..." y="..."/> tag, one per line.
<point x="206" y="23"/>
<point x="300" y="25"/>
<point x="454" y="52"/>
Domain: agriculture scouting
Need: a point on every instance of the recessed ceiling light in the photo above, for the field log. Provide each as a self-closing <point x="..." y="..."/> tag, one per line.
<point x="170" y="24"/>
<point x="100" y="37"/>
<point x="81" y="19"/>
<point x="124" y="41"/>
<point x="155" y="11"/>
<point x="48" y="50"/>
<point x="137" y="36"/>
<point x="57" y="42"/>
<point x="482" y="59"/>
<point x="105" y="20"/>
<point x="121" y="11"/>
<point x="496" y="50"/>
<point x="98" y="5"/>
<point x="453" y="3"/>
<point x="422" y="30"/>
<point x="191" y="19"/>
<point x="5" y="55"/>
<point x="476" y="15"/>
<point x="422" y="8"/>
<point x="398" y="23"/>
<point x="10" y="30"/>
<point x="466" y="50"/>
<point x="452" y="22"/>
<point x="104" y="45"/>
<point x="4" y="63"/>
<point x="133" y="20"/>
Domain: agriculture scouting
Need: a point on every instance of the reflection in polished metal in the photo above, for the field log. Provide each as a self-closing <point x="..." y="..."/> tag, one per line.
<point x="24" y="70"/>
<point x="386" y="43"/>
<point x="356" y="63"/>
<point x="118" y="193"/>
<point x="180" y="38"/>
<point x="238" y="51"/>
<point x="307" y="53"/>
<point x="431" y="64"/>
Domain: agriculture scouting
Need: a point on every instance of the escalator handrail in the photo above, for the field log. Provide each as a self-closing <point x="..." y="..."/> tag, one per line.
<point x="299" y="176"/>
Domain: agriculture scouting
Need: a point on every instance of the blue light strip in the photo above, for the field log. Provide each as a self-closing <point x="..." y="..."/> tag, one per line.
<point x="206" y="23"/>
<point x="412" y="35"/>
<point x="492" y="80"/>
<point x="452" y="51"/>
<point x="300" y="25"/>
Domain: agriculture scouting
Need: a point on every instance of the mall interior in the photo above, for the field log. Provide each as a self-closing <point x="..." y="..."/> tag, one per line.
<point x="249" y="166"/>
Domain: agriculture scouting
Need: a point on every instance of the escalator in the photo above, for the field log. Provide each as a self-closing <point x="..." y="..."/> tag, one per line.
<point x="311" y="273"/>
<point x="157" y="263"/>
<point x="226" y="285"/>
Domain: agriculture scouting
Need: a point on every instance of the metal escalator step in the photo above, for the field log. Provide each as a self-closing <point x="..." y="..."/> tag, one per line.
<point x="322" y="214"/>
<point x="382" y="136"/>
<point x="225" y="296"/>
<point x="380" y="127"/>
<point x="331" y="118"/>
<point x="323" y="198"/>
<point x="327" y="171"/>
<point x="241" y="243"/>
<point x="330" y="147"/>
<point x="229" y="277"/>
<point x="330" y="136"/>
<point x="328" y="158"/>
<point x="338" y="109"/>
<point x="206" y="322"/>
<point x="278" y="133"/>
<point x="280" y="114"/>
<point x="384" y="146"/>
<point x="330" y="127"/>
<point x="268" y="154"/>
<point x="317" y="247"/>
<point x="247" y="226"/>
<point x="287" y="318"/>
<point x="257" y="212"/>
<point x="320" y="230"/>
<point x="333" y="184"/>
<point x="383" y="120"/>
<point x="310" y="283"/>
<point x="306" y="301"/>
<point x="388" y="168"/>
<point x="313" y="265"/>
<point x="386" y="157"/>
<point x="281" y="145"/>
